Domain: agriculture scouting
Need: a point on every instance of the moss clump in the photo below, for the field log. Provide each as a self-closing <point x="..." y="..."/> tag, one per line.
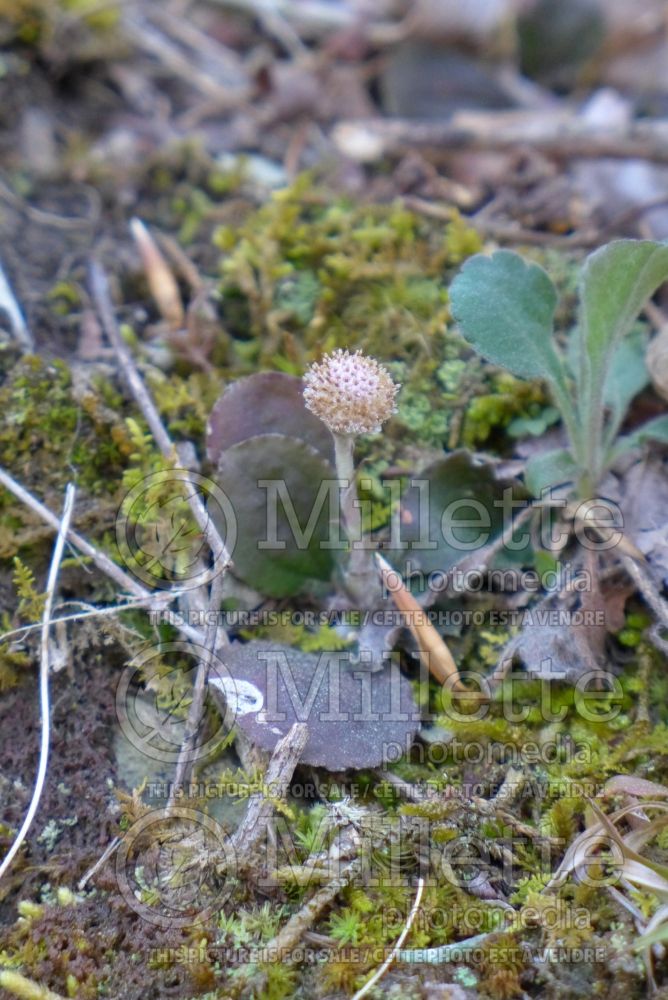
<point x="56" y="430"/>
<point x="513" y="403"/>
<point x="308" y="273"/>
<point x="62" y="31"/>
<point x="50" y="435"/>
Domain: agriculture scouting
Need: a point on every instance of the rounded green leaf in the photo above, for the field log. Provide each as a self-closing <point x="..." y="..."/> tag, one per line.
<point x="451" y="510"/>
<point x="264" y="403"/>
<point x="281" y="491"/>
<point x="505" y="309"/>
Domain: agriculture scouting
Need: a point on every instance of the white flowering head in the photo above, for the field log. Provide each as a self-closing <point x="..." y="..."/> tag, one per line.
<point x="351" y="393"/>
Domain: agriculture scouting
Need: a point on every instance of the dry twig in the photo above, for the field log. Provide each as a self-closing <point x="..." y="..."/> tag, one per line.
<point x="282" y="947"/>
<point x="636" y="570"/>
<point x="102" y="561"/>
<point x="314" y="19"/>
<point x="284" y="760"/>
<point x="196" y="710"/>
<point x="163" y="48"/>
<point x="90" y="612"/>
<point x="214" y="634"/>
<point x="562" y="136"/>
<point x="9" y="305"/>
<point x="100" y="291"/>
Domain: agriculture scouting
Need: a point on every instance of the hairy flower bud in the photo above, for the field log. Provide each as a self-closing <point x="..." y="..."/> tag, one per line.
<point x="351" y="393"/>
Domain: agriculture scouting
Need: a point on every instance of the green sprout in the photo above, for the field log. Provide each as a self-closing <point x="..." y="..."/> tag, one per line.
<point x="505" y="309"/>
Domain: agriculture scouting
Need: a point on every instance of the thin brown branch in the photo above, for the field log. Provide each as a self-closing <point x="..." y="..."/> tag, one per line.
<point x="196" y="711"/>
<point x="100" y="292"/>
<point x="214" y="634"/>
<point x="284" y="944"/>
<point x="180" y="64"/>
<point x="636" y="569"/>
<point x="282" y="764"/>
<point x="560" y="135"/>
<point x="102" y="561"/>
<point x="315" y="19"/>
<point x="106" y="565"/>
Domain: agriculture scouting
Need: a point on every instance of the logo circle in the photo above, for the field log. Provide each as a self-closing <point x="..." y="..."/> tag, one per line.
<point x="156" y="725"/>
<point x="159" y="869"/>
<point x="156" y="535"/>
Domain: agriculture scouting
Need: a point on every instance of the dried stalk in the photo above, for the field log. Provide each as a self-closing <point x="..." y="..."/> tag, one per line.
<point x="100" y="292"/>
<point x="100" y="559"/>
<point x="379" y="973"/>
<point x="284" y="760"/>
<point x="560" y="135"/>
<point x="434" y="653"/>
<point x="19" y="327"/>
<point x="214" y="634"/>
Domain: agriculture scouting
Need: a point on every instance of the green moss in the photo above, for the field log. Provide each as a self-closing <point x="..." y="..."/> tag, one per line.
<point x="631" y="635"/>
<point x="346" y="926"/>
<point x="80" y="29"/>
<point x="511" y="401"/>
<point x="304" y="274"/>
<point x="309" y="272"/>
<point x="49" y="436"/>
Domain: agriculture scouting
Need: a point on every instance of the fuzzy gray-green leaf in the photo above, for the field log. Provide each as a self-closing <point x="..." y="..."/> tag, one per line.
<point x="549" y="469"/>
<point x="505" y="309"/>
<point x="653" y="430"/>
<point x="617" y="280"/>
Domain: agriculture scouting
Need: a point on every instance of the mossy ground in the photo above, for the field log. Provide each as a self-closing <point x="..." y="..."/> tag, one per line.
<point x="304" y="273"/>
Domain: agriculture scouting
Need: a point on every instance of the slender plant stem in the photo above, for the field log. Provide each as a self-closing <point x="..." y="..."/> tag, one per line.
<point x="101" y="560"/>
<point x="345" y="470"/>
<point x="188" y="749"/>
<point x="361" y="576"/>
<point x="157" y="601"/>
<point x="567" y="409"/>
<point x="592" y="435"/>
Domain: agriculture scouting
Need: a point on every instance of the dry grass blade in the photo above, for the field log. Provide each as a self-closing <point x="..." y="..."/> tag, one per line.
<point x="629" y="784"/>
<point x="656" y="931"/>
<point x="638" y="838"/>
<point x="379" y="973"/>
<point x="161" y="281"/>
<point x="434" y="653"/>
<point x="12" y="310"/>
<point x="628" y="852"/>
<point x="632" y="866"/>
<point x="44" y="679"/>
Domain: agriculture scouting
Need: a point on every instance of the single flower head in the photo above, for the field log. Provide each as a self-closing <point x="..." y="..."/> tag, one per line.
<point x="351" y="393"/>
